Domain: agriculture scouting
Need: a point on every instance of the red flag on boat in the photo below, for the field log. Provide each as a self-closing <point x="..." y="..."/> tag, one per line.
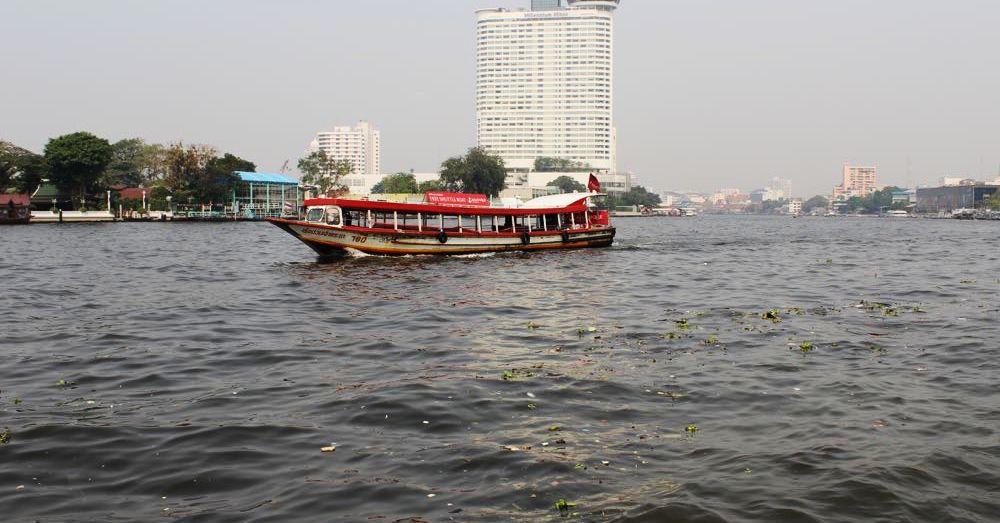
<point x="593" y="185"/>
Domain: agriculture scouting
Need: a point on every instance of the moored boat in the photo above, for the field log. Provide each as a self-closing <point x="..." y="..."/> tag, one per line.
<point x="15" y="209"/>
<point x="448" y="223"/>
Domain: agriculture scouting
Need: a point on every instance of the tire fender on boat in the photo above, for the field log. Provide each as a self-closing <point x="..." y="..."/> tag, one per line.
<point x="525" y="238"/>
<point x="565" y="237"/>
<point x="442" y="237"/>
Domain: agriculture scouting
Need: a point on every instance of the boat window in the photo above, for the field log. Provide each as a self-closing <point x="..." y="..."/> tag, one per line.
<point x="315" y="214"/>
<point x="354" y="218"/>
<point x="488" y="223"/>
<point x="333" y="216"/>
<point x="468" y="223"/>
<point x="431" y="221"/>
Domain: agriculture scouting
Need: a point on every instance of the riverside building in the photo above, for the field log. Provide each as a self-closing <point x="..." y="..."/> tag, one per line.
<point x="359" y="145"/>
<point x="544" y="84"/>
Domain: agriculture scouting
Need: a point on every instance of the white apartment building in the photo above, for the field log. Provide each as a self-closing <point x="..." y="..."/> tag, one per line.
<point x="544" y="83"/>
<point x="359" y="144"/>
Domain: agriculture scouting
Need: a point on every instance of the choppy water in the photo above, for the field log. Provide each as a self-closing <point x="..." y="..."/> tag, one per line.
<point x="194" y="372"/>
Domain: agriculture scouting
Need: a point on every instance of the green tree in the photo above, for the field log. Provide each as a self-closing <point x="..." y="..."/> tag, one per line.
<point x="219" y="178"/>
<point x="994" y="201"/>
<point x="477" y="172"/>
<point x="430" y="186"/>
<point x="127" y="163"/>
<point x="186" y="171"/>
<point x="567" y="184"/>
<point x="638" y="195"/>
<point x="546" y="164"/>
<point x="20" y="169"/>
<point x="323" y="171"/>
<point x="816" y="202"/>
<point x="76" y="161"/>
<point x="398" y="183"/>
<point x="32" y="169"/>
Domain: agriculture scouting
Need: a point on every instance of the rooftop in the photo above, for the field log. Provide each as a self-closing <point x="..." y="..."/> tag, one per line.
<point x="277" y="178"/>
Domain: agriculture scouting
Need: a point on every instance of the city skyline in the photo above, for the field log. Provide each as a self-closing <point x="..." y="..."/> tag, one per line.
<point x="708" y="95"/>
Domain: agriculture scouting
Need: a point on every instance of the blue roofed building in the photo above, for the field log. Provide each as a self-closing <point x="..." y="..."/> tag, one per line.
<point x="266" y="195"/>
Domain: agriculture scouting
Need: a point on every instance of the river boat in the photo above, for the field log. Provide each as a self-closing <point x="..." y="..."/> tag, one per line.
<point x="450" y="223"/>
<point x="15" y="209"/>
<point x="897" y="213"/>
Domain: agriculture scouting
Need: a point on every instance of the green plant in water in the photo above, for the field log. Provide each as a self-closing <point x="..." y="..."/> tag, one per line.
<point x="774" y="315"/>
<point x="829" y="261"/>
<point x="507" y="375"/>
<point x="17" y="401"/>
<point x="532" y="325"/>
<point x="712" y="340"/>
<point x="5" y="436"/>
<point x="806" y="346"/>
<point x="532" y="406"/>
<point x="563" y="506"/>
<point x="683" y="324"/>
<point x="580" y="466"/>
<point x="691" y="428"/>
<point x="553" y="428"/>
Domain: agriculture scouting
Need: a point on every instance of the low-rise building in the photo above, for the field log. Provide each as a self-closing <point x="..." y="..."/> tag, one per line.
<point x="795" y="206"/>
<point x="949" y="198"/>
<point x="266" y="195"/>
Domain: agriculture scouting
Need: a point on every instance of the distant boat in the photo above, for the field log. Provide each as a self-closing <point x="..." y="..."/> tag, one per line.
<point x="964" y="214"/>
<point x="897" y="214"/>
<point x="15" y="209"/>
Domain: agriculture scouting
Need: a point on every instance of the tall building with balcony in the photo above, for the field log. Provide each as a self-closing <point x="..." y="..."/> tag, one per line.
<point x="359" y="145"/>
<point x="858" y="181"/>
<point x="544" y="83"/>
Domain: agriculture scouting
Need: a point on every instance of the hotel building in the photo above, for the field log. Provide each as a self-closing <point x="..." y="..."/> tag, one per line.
<point x="544" y="84"/>
<point x="359" y="144"/>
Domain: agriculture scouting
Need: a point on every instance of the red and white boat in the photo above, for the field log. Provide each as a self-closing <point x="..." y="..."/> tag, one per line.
<point x="450" y="223"/>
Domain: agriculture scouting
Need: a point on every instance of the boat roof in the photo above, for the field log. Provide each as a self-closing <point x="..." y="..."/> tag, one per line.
<point x="574" y="202"/>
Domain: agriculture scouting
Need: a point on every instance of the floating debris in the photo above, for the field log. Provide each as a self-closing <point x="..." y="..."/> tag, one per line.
<point x="563" y="506"/>
<point x="682" y="324"/>
<point x="774" y="315"/>
<point x="517" y="374"/>
<point x="553" y="428"/>
<point x="532" y="406"/>
<point x="712" y="340"/>
<point x="532" y="325"/>
<point x="691" y="428"/>
<point x="328" y="449"/>
<point x="5" y="436"/>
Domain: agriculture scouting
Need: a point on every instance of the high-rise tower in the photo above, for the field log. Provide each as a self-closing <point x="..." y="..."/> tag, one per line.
<point x="544" y="83"/>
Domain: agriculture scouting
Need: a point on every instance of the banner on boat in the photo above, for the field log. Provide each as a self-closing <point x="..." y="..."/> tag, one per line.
<point x="452" y="198"/>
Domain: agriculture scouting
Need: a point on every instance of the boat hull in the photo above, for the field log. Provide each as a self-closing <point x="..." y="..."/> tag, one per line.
<point x="333" y="241"/>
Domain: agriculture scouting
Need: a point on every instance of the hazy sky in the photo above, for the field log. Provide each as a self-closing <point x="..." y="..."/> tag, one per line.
<point x="709" y="93"/>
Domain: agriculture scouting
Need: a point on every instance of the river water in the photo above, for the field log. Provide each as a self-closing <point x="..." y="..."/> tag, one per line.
<point x="700" y="370"/>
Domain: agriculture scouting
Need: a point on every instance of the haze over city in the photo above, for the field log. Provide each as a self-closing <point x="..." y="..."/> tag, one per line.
<point x="707" y="94"/>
